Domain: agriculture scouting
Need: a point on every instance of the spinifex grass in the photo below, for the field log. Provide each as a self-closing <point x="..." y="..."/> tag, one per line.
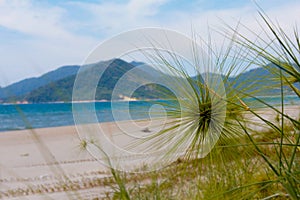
<point x="204" y="109"/>
<point x="240" y="166"/>
<point x="207" y="99"/>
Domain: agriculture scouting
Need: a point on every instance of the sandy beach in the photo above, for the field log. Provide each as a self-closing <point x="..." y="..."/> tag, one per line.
<point x="55" y="157"/>
<point x="49" y="163"/>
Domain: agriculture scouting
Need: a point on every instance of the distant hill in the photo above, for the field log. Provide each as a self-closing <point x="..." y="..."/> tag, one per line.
<point x="256" y="80"/>
<point x="259" y="80"/>
<point x="19" y="89"/>
<point x="61" y="90"/>
<point x="58" y="85"/>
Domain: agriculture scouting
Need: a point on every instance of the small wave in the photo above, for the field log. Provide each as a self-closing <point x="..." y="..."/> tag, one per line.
<point x="18" y="128"/>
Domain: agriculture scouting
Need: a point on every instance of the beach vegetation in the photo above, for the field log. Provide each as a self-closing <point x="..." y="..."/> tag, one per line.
<point x="245" y="163"/>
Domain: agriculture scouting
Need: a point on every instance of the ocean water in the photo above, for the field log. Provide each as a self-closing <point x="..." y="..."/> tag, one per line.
<point x="19" y="117"/>
<point x="27" y="116"/>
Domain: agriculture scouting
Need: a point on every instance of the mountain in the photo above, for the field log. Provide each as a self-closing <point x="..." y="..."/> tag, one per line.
<point x="62" y="89"/>
<point x="58" y="84"/>
<point x="23" y="87"/>
<point x="256" y="80"/>
<point x="147" y="68"/>
<point x="261" y="82"/>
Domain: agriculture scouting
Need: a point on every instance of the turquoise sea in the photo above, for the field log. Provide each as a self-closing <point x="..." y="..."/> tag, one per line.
<point x="26" y="116"/>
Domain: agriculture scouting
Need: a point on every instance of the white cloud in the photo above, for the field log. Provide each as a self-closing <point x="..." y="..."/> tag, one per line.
<point x="44" y="44"/>
<point x="25" y="17"/>
<point x="138" y="8"/>
<point x="57" y="38"/>
<point x="287" y="16"/>
<point x="115" y="17"/>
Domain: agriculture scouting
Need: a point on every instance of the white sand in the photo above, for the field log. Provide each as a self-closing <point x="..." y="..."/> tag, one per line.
<point x="272" y="116"/>
<point x="26" y="161"/>
<point x="51" y="156"/>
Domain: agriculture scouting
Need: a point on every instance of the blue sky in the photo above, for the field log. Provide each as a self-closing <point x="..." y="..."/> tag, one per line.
<point x="39" y="36"/>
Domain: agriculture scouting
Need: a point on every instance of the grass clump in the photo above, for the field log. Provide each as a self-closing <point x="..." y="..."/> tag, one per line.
<point x="208" y="127"/>
<point x="244" y="163"/>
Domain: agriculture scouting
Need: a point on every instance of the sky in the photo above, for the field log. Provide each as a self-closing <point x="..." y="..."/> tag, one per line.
<point x="37" y="36"/>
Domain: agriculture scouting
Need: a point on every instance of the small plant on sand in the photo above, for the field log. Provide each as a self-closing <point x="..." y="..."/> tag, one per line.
<point x="118" y="181"/>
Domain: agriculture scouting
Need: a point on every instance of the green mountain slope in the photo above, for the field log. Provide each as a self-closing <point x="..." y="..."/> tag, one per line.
<point x="19" y="89"/>
<point x="58" y="85"/>
<point x="61" y="90"/>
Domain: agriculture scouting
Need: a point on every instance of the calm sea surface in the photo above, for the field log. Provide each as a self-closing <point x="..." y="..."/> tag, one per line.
<point x="18" y="117"/>
<point x="26" y="116"/>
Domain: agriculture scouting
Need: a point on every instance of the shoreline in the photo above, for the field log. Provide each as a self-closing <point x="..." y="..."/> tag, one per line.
<point x="87" y="101"/>
<point x="119" y="100"/>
